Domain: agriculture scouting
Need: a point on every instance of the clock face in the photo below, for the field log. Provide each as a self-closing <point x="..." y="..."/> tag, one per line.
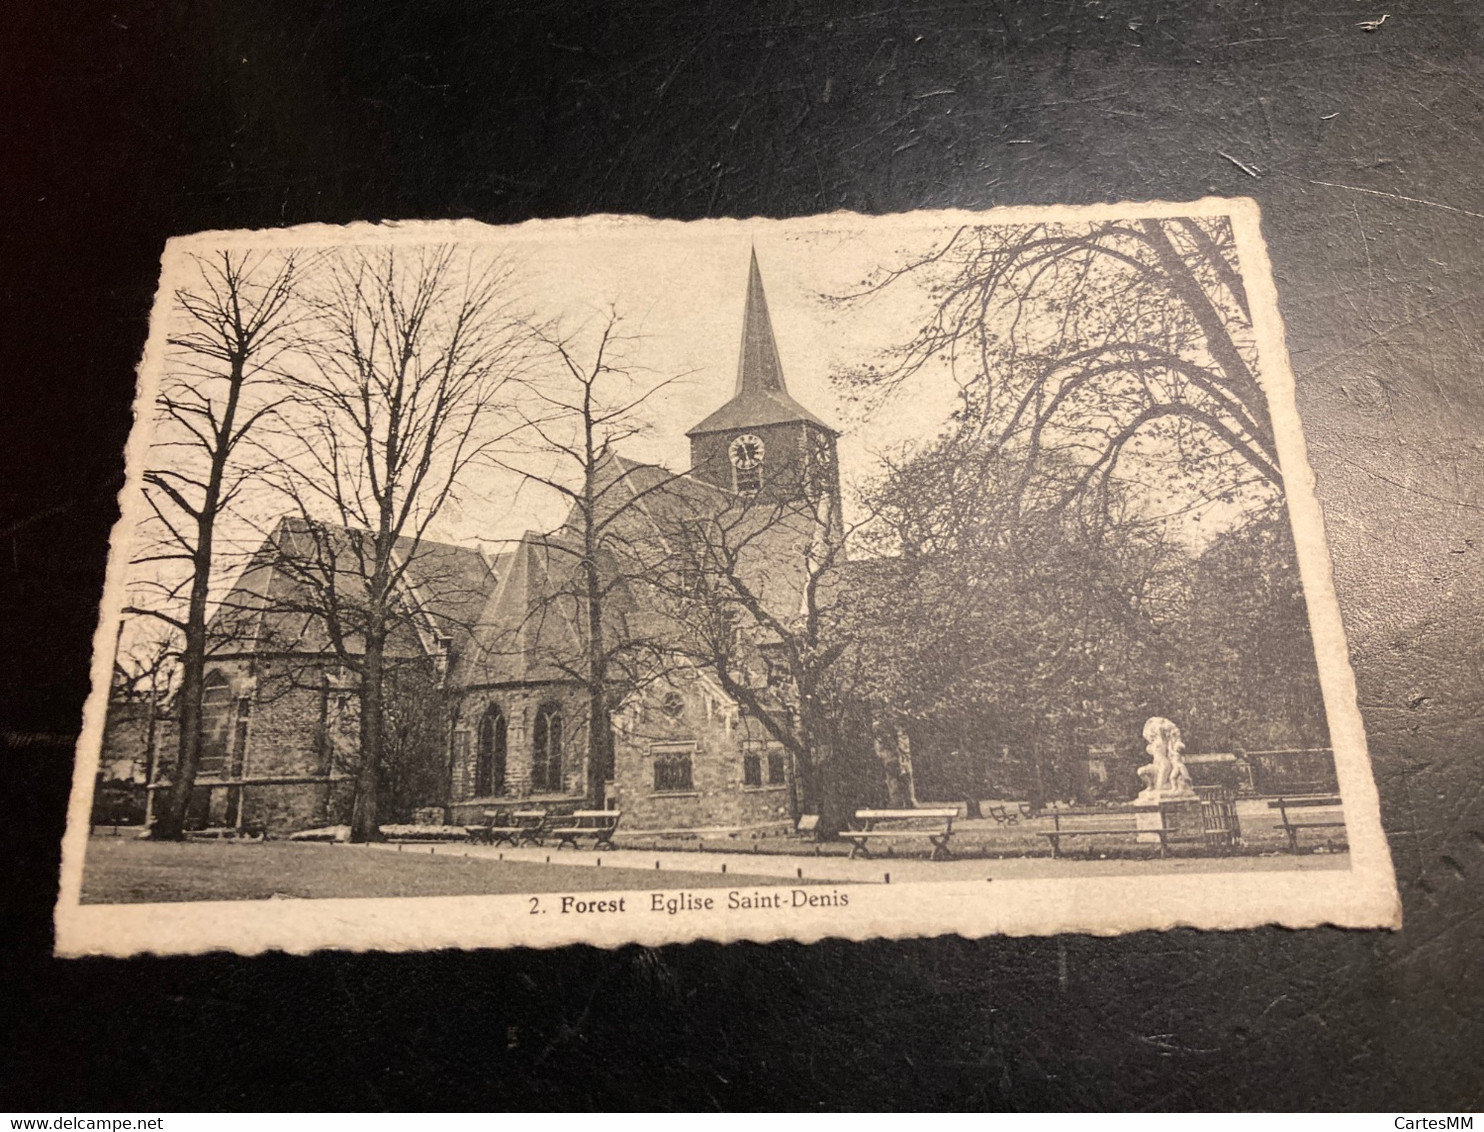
<point x="746" y="452"/>
<point x="819" y="450"/>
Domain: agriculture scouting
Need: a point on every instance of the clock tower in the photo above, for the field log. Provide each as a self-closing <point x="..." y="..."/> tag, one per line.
<point x="762" y="444"/>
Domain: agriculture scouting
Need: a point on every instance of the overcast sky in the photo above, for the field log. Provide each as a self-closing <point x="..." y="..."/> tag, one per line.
<point x="681" y="289"/>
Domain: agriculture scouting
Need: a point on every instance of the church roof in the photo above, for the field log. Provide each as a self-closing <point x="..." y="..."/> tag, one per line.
<point x="272" y="605"/>
<point x="527" y="627"/>
<point x="761" y="396"/>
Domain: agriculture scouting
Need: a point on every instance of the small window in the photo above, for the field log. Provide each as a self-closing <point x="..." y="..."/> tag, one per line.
<point x="752" y="769"/>
<point x="346" y="718"/>
<point x="672" y="770"/>
<point x="778" y="671"/>
<point x="749" y="481"/>
<point x="762" y="764"/>
<point x="775" y="767"/>
<point x="673" y="705"/>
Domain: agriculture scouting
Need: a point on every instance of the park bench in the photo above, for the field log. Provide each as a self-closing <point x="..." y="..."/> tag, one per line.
<point x="894" y="825"/>
<point x="1098" y="823"/>
<point x="1291" y="827"/>
<point x="501" y="827"/>
<point x="1003" y="815"/>
<point x="597" y="824"/>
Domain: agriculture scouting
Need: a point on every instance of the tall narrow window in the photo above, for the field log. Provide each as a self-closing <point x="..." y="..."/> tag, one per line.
<point x="239" y="736"/>
<point x="752" y="763"/>
<point x="489" y="764"/>
<point x="775" y="764"/>
<point x="216" y="724"/>
<point x="546" y="757"/>
<point x="463" y="748"/>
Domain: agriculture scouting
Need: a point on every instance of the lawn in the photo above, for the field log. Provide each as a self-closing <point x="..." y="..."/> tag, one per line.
<point x="121" y="870"/>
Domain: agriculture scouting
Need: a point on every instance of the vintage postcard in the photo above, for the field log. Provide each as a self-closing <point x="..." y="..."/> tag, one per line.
<point x="611" y="580"/>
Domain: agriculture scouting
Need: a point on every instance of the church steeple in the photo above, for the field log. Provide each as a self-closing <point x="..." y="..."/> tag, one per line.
<point x="762" y="442"/>
<point x="761" y="396"/>
<point x="758" y="367"/>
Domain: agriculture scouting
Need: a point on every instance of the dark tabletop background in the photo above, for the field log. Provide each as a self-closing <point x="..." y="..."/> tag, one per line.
<point x="122" y="124"/>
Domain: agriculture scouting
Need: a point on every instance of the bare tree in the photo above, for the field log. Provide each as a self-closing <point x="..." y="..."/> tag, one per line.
<point x="143" y="671"/>
<point x="581" y="409"/>
<point x="399" y="394"/>
<point x="1108" y="391"/>
<point x="757" y="596"/>
<point x="1088" y="353"/>
<point x="233" y="324"/>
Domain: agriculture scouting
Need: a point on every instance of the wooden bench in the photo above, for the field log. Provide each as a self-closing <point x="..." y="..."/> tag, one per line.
<point x="597" y="824"/>
<point x="523" y="827"/>
<point x="1305" y="802"/>
<point x="935" y="825"/>
<point x="1003" y="815"/>
<point x="1095" y="823"/>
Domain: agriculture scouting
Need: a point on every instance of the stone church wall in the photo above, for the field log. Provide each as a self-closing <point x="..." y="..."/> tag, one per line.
<point x="519" y="706"/>
<point x="679" y="717"/>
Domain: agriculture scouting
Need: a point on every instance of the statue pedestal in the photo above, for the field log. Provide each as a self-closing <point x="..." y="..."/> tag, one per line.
<point x="1178" y="814"/>
<point x="1147" y="817"/>
<point x="1182" y="819"/>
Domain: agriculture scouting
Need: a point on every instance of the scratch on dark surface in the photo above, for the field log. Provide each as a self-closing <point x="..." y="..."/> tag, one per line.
<point x="1385" y="332"/>
<point x="1250" y="170"/>
<point x="1370" y="471"/>
<point x="1397" y="196"/>
<point x="1370" y="270"/>
<point x="1161" y="1041"/>
<point x="1374" y="25"/>
<point x="1420" y="947"/>
<point x="1103" y="97"/>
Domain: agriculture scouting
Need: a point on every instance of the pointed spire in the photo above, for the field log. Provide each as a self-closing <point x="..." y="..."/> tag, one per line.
<point x="761" y="397"/>
<point x="758" y="367"/>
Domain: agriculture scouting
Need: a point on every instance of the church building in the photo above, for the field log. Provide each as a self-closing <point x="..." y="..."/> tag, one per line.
<point x="684" y="754"/>
<point x="495" y="711"/>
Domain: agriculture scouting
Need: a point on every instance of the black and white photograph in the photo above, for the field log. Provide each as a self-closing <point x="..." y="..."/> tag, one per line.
<point x="614" y="580"/>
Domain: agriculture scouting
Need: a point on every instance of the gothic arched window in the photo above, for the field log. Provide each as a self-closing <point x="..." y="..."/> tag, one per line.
<point x="216" y="724"/>
<point x="489" y="759"/>
<point x="546" y="758"/>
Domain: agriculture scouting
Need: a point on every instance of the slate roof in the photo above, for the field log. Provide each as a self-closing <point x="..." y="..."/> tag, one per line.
<point x="270" y="608"/>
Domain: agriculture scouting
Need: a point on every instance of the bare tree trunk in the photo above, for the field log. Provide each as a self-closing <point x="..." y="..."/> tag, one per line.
<point x="237" y="325"/>
<point x="171" y="824"/>
<point x="365" y="822"/>
<point x="597" y="749"/>
<point x="835" y="810"/>
<point x="170" y="821"/>
<point x="598" y="732"/>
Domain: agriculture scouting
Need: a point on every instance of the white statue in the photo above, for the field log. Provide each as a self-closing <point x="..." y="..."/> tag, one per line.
<point x="1166" y="778"/>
